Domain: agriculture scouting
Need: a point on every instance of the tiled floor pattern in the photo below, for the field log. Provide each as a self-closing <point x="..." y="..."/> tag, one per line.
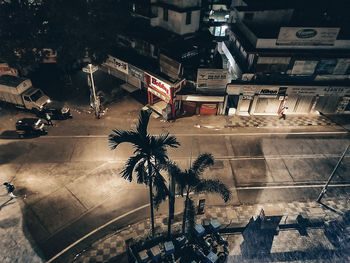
<point x="107" y="248"/>
<point x="275" y="121"/>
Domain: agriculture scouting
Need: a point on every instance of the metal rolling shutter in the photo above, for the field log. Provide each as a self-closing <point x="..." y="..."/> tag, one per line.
<point x="327" y="104"/>
<point x="304" y="104"/>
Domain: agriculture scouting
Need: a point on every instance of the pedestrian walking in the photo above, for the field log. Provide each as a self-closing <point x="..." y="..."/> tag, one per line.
<point x="48" y="119"/>
<point x="10" y="188"/>
<point x="283" y="112"/>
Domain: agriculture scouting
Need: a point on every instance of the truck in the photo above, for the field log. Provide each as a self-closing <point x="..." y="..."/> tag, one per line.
<point x="20" y="92"/>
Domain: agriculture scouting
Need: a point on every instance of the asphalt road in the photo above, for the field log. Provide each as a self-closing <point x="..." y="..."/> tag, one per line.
<point x="70" y="184"/>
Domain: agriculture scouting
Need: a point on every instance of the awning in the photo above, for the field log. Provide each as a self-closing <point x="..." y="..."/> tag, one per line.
<point x="200" y="98"/>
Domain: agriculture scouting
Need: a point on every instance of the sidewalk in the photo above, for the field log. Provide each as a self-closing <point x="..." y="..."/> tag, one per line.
<point x="15" y="245"/>
<point x="112" y="247"/>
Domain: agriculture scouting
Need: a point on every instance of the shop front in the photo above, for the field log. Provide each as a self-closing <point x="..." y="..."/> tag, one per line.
<point x="202" y="104"/>
<point x="162" y="95"/>
<point x="267" y="101"/>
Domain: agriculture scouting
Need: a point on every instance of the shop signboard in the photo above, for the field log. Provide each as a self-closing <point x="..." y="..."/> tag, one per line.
<point x="211" y="79"/>
<point x="268" y="92"/>
<point x="319" y="90"/>
<point x="169" y="66"/>
<point x="304" y="67"/>
<point x="159" y="95"/>
<point x="160" y="86"/>
<point x="326" y="66"/>
<point x="6" y="70"/>
<point x="137" y="73"/>
<point x="307" y="36"/>
<point x="342" y="67"/>
<point x="116" y="64"/>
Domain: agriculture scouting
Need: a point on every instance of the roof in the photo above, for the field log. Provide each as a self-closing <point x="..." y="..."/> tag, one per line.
<point x="9" y="80"/>
<point x="135" y="59"/>
<point x="326" y="52"/>
<point x="297" y="81"/>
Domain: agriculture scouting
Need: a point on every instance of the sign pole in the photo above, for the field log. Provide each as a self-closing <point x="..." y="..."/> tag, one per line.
<point x="324" y="190"/>
<point x="96" y="105"/>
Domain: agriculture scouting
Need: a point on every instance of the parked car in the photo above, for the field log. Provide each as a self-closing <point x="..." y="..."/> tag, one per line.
<point x="30" y="127"/>
<point x="56" y="110"/>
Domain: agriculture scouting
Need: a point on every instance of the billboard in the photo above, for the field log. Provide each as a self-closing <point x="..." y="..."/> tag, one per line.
<point x="116" y="64"/>
<point x="304" y="67"/>
<point x="211" y="79"/>
<point x="137" y="73"/>
<point x="326" y="66"/>
<point x="342" y="67"/>
<point x="307" y="36"/>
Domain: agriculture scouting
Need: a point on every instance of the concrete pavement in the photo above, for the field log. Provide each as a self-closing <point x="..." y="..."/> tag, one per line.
<point x="289" y="245"/>
<point x="89" y="203"/>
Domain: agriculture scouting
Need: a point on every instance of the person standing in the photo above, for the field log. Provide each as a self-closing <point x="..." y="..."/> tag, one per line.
<point x="283" y="112"/>
<point x="10" y="188"/>
<point x="48" y="119"/>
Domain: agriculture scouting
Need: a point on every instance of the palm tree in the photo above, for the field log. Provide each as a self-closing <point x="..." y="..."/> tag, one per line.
<point x="190" y="181"/>
<point x="149" y="151"/>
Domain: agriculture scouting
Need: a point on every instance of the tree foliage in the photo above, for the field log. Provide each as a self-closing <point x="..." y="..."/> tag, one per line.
<point x="73" y="29"/>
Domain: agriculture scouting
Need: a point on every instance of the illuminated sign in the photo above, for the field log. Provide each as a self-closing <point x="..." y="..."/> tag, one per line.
<point x="160" y="86"/>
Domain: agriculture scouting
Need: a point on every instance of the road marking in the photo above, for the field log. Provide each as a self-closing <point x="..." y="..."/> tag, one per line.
<point x="94" y="231"/>
<point x="208" y="134"/>
<point x="289" y="186"/>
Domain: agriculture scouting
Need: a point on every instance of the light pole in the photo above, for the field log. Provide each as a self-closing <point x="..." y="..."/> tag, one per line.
<point x="324" y="190"/>
<point x="91" y="69"/>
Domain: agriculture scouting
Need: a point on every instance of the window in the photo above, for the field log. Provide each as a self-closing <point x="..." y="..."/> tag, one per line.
<point x="165" y="14"/>
<point x="248" y="16"/>
<point x="188" y="17"/>
<point x="26" y="98"/>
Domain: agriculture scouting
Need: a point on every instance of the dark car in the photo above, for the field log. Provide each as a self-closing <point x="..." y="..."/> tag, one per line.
<point x="30" y="127"/>
<point x="56" y="110"/>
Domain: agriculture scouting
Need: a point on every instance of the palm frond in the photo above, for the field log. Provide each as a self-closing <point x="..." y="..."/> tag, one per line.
<point x="214" y="186"/>
<point x="162" y="191"/>
<point x="121" y="136"/>
<point x="202" y="162"/>
<point x="143" y="122"/>
<point x="141" y="172"/>
<point x="129" y="167"/>
<point x="167" y="140"/>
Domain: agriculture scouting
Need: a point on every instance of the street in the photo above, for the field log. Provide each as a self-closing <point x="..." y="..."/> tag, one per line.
<point x="69" y="180"/>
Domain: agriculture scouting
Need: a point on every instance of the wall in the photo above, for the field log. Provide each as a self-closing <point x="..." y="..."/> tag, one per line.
<point x="177" y="21"/>
<point x="268" y="17"/>
<point x="182" y="3"/>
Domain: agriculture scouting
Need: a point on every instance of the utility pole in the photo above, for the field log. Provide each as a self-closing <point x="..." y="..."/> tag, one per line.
<point x="91" y="69"/>
<point x="324" y="190"/>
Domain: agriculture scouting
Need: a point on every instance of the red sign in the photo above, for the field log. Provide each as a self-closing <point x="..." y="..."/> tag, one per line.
<point x="6" y="70"/>
<point x="161" y="86"/>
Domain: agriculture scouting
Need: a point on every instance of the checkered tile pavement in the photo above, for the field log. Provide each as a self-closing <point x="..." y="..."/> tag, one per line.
<point x="274" y="121"/>
<point x="108" y="248"/>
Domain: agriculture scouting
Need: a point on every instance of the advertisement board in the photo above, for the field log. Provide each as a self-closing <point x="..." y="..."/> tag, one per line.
<point x="304" y="67"/>
<point x="211" y="79"/>
<point x="116" y="64"/>
<point x="342" y="67"/>
<point x="326" y="66"/>
<point x="160" y="86"/>
<point x="137" y="73"/>
<point x="307" y="36"/>
<point x="6" y="70"/>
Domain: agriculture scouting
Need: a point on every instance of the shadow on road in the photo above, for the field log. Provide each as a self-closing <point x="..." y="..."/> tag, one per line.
<point x="13" y="150"/>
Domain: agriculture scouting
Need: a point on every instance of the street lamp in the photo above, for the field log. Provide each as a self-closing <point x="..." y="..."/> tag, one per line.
<point x="91" y="69"/>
